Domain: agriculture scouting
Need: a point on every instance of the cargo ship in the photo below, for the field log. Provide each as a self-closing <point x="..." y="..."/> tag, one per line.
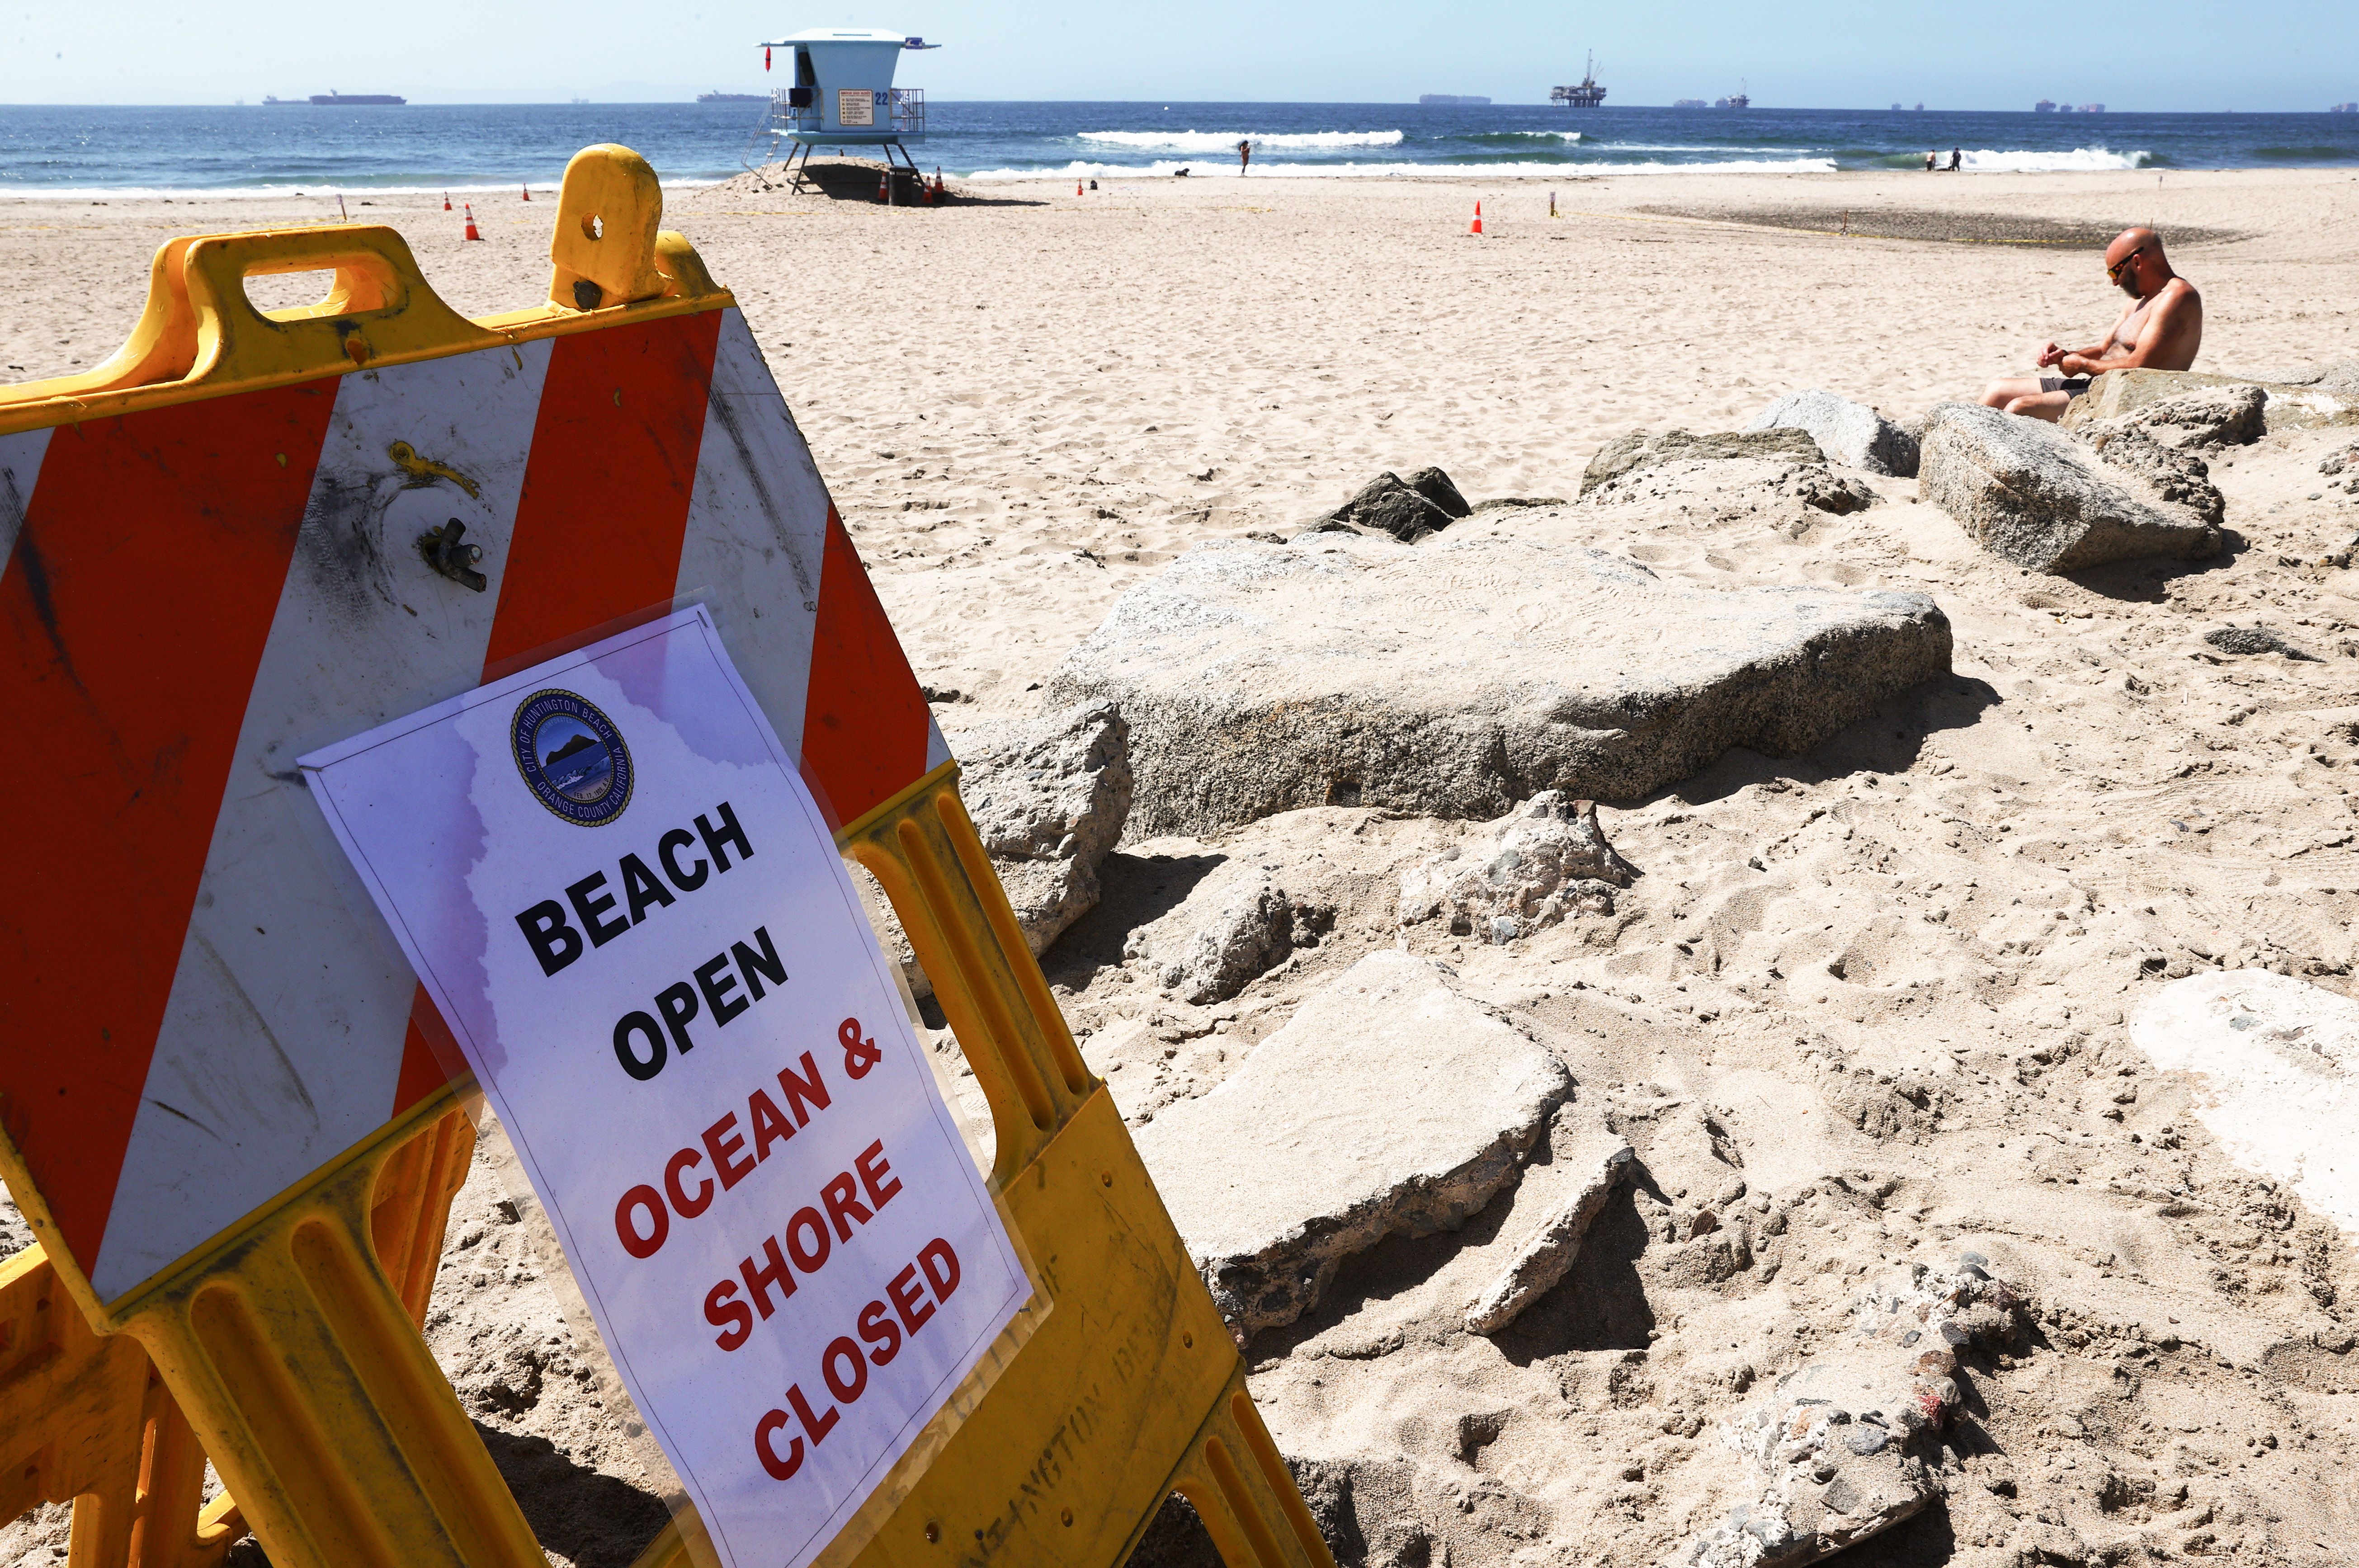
<point x="1588" y="95"/>
<point x="342" y="99"/>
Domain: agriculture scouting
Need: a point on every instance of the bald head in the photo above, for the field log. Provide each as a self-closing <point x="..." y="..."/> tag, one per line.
<point x="2134" y="261"/>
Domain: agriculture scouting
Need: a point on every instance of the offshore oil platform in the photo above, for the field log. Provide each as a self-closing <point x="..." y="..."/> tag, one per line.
<point x="1588" y="95"/>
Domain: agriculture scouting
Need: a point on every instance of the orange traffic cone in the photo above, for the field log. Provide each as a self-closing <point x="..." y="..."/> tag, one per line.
<point x="1077" y="188"/>
<point x="446" y="201"/>
<point x="472" y="233"/>
<point x="885" y="187"/>
<point x="528" y="193"/>
<point x="1478" y="220"/>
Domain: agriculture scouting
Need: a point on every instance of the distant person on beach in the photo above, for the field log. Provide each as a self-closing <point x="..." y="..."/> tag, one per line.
<point x="1933" y="160"/>
<point x="1244" y="155"/>
<point x="1957" y="159"/>
<point x="2160" y="329"/>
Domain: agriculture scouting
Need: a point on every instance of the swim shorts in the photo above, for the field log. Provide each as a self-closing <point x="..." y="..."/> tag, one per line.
<point x="2072" y="388"/>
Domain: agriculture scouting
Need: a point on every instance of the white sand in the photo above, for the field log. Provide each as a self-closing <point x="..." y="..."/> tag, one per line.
<point x="1024" y="408"/>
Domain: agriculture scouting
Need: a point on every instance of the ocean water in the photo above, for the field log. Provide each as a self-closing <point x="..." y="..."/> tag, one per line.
<point x="70" y="150"/>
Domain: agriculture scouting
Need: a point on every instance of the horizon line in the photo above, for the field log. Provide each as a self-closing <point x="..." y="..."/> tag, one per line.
<point x="2061" y="111"/>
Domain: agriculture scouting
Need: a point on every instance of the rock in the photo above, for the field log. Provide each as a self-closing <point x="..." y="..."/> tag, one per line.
<point x="1542" y="1261"/>
<point x="2177" y="476"/>
<point x="1545" y="860"/>
<point x="1508" y="503"/>
<point x="2030" y="493"/>
<point x="2342" y="374"/>
<point x="1838" y="493"/>
<point x="2327" y="400"/>
<point x="1389" y="1104"/>
<point x="1231" y="930"/>
<point x="1049" y="797"/>
<point x="2253" y="639"/>
<point x="1407" y="509"/>
<point x="1435" y="486"/>
<point x="1838" y="1451"/>
<point x="1640" y="450"/>
<point x="1456" y="678"/>
<point x="2276" y="1065"/>
<point x="1848" y="433"/>
<point x="2223" y="417"/>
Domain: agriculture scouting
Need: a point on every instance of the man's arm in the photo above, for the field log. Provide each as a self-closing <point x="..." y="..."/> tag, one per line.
<point x="2167" y="341"/>
<point x="2056" y="354"/>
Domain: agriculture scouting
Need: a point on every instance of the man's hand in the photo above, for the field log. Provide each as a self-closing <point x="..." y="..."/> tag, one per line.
<point x="2075" y="365"/>
<point x="2050" y="355"/>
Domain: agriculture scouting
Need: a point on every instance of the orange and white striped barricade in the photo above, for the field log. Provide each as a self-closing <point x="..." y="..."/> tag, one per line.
<point x="250" y="532"/>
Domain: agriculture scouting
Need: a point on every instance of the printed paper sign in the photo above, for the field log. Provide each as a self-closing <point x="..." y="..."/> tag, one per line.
<point x="855" y="106"/>
<point x="626" y="904"/>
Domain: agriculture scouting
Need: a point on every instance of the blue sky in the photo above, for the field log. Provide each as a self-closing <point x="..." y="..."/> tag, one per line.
<point x="2175" y="55"/>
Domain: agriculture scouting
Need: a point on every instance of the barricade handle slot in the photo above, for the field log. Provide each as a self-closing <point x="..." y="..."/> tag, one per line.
<point x="379" y="309"/>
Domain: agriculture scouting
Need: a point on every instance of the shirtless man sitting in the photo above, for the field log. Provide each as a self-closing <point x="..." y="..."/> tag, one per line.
<point x="2160" y="329"/>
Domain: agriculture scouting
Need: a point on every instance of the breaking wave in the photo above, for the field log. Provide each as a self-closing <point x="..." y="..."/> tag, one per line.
<point x="1220" y="169"/>
<point x="1226" y="141"/>
<point x="2077" y="160"/>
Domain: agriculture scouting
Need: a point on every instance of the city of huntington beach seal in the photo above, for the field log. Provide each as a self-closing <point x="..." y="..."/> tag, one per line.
<point x="573" y="757"/>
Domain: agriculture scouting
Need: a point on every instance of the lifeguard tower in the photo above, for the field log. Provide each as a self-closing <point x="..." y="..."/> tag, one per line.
<point x="844" y="96"/>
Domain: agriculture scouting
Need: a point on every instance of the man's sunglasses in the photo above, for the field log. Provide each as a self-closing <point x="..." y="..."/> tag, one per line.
<point x="2113" y="271"/>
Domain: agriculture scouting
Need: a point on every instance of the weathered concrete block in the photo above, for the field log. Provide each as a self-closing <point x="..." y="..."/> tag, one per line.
<point x="1549" y="1253"/>
<point x="1049" y="797"/>
<point x="1457" y="678"/>
<point x="1221" y="938"/>
<point x="2032" y="494"/>
<point x="1546" y="861"/>
<point x="1838" y="1448"/>
<point x="1849" y="433"/>
<point x="1389" y="1104"/>
<point x="1640" y="450"/>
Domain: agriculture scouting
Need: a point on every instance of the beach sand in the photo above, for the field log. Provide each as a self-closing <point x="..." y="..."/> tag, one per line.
<point x="1027" y="403"/>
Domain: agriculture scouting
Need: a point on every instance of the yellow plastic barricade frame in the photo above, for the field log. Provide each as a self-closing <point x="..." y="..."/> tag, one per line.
<point x="287" y="1350"/>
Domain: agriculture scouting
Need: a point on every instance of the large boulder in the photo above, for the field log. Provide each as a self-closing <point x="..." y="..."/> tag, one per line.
<point x="1389" y="1104"/>
<point x="2175" y="473"/>
<point x="2220" y="416"/>
<point x="1849" y="433"/>
<point x="1049" y="797"/>
<point x="1457" y="678"/>
<point x="2328" y="399"/>
<point x="1640" y="450"/>
<point x="2028" y="492"/>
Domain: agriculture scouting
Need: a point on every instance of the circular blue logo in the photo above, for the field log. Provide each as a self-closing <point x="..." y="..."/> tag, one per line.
<point x="573" y="757"/>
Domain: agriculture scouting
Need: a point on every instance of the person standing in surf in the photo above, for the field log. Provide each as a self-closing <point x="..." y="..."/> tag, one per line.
<point x="1245" y="157"/>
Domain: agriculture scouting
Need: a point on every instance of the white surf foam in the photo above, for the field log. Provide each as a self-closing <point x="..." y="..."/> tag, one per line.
<point x="2077" y="160"/>
<point x="1216" y="167"/>
<point x="310" y="191"/>
<point x="1226" y="141"/>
